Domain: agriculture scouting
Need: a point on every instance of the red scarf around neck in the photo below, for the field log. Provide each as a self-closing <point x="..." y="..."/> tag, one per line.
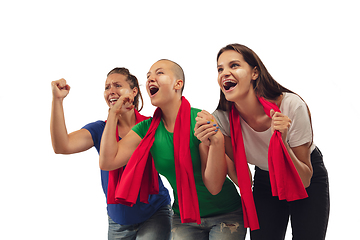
<point x="284" y="178"/>
<point x="115" y="175"/>
<point x="136" y="177"/>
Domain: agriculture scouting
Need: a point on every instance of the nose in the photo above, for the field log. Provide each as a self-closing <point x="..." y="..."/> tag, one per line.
<point x="224" y="74"/>
<point x="150" y="79"/>
<point x="110" y="90"/>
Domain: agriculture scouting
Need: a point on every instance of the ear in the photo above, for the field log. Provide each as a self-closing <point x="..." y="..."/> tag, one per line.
<point x="179" y="84"/>
<point x="255" y="73"/>
<point x="135" y="91"/>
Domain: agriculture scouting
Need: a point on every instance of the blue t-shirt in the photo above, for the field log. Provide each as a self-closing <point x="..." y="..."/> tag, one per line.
<point x="119" y="213"/>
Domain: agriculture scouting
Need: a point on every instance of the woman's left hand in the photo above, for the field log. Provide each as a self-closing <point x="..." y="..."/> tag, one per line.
<point x="206" y="128"/>
<point x="281" y="123"/>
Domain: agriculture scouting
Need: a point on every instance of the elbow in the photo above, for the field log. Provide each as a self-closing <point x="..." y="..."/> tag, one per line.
<point x="307" y="183"/>
<point x="215" y="191"/>
<point x="105" y="165"/>
<point x="58" y="150"/>
<point x="307" y="180"/>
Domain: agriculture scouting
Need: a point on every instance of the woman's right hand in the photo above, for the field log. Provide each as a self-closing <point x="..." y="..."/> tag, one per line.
<point x="60" y="89"/>
<point x="123" y="104"/>
<point x="206" y="128"/>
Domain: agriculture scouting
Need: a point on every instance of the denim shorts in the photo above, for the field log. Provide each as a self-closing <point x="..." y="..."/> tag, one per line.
<point x="157" y="227"/>
<point x="227" y="226"/>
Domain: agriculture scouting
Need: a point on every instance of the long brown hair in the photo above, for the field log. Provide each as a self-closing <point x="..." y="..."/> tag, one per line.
<point x="133" y="82"/>
<point x="265" y="85"/>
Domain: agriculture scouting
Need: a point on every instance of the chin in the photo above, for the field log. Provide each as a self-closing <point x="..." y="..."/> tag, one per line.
<point x="229" y="97"/>
<point x="154" y="102"/>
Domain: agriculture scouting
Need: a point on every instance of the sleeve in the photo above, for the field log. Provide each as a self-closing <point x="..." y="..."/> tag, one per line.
<point x="222" y="117"/>
<point x="300" y="131"/>
<point x="142" y="127"/>
<point x="96" y="130"/>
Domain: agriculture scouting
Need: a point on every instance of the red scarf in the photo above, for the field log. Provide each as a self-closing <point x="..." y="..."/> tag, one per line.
<point x="115" y="175"/>
<point x="134" y="179"/>
<point x="284" y="178"/>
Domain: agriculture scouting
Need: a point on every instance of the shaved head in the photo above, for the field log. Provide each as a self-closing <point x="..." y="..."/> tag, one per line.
<point x="177" y="70"/>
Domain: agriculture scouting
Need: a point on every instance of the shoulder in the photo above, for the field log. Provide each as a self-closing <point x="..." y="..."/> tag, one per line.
<point x="291" y="103"/>
<point x="222" y="118"/>
<point x="291" y="99"/>
<point x="97" y="125"/>
<point x="221" y="114"/>
<point x="194" y="111"/>
<point x="142" y="127"/>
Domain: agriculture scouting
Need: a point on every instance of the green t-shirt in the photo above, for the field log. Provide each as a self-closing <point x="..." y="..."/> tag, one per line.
<point x="162" y="151"/>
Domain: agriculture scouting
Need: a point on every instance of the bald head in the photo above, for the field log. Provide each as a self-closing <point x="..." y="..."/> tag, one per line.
<point x="177" y="70"/>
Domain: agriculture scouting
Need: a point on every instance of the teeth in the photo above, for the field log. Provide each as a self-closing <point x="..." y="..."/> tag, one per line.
<point x="113" y="100"/>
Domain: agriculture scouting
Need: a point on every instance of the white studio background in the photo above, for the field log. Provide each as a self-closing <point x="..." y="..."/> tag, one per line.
<point x="311" y="47"/>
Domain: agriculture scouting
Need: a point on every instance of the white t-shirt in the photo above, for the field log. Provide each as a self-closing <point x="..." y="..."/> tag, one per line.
<point x="257" y="143"/>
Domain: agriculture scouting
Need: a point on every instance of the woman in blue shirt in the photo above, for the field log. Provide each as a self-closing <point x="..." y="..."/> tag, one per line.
<point x="142" y="221"/>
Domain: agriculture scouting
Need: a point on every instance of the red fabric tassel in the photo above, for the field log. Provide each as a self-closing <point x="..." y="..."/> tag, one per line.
<point x="136" y="172"/>
<point x="115" y="175"/>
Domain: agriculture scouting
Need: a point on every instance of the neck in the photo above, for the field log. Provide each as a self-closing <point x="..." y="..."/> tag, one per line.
<point x="127" y="119"/>
<point x="252" y="112"/>
<point x="249" y="107"/>
<point x="169" y="114"/>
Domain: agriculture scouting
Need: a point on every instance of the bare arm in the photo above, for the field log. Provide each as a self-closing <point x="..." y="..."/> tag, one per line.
<point x="301" y="158"/>
<point x="64" y="143"/>
<point x="231" y="170"/>
<point x="212" y="153"/>
<point x="230" y="162"/>
<point x="113" y="154"/>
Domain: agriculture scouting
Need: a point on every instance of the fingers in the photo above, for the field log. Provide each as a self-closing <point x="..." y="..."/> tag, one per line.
<point x="206" y="127"/>
<point x="61" y="84"/>
<point x="203" y="127"/>
<point x="280" y="121"/>
<point x="206" y="115"/>
<point x="272" y="112"/>
<point x="60" y="88"/>
<point x="123" y="104"/>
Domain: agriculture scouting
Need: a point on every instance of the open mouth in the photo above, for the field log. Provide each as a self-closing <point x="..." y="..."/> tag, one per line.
<point x="113" y="100"/>
<point x="229" y="84"/>
<point x="153" y="90"/>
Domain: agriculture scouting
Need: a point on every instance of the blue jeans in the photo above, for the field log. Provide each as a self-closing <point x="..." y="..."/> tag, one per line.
<point x="226" y="226"/>
<point x="157" y="227"/>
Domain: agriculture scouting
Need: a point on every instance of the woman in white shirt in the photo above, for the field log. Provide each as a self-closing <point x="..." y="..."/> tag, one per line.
<point x="243" y="79"/>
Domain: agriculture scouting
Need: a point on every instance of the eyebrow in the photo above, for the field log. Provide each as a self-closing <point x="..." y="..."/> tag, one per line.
<point x="147" y="75"/>
<point x="233" y="61"/>
<point x="106" y="84"/>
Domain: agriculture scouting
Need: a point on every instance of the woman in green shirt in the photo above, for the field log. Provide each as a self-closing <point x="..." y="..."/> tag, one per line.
<point x="218" y="200"/>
